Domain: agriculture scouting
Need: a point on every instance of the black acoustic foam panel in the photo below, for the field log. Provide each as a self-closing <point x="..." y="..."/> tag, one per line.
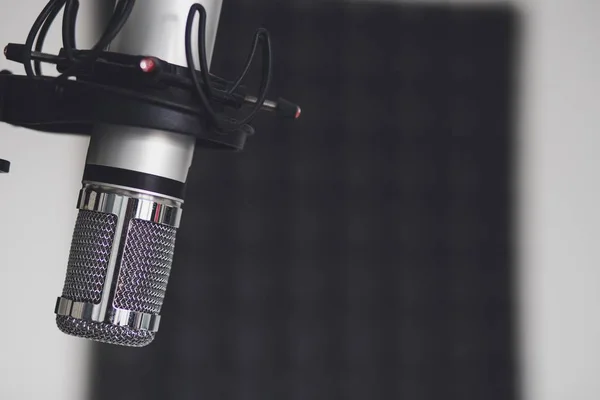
<point x="363" y="251"/>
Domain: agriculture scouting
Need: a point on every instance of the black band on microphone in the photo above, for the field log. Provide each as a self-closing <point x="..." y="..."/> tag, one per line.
<point x="134" y="179"/>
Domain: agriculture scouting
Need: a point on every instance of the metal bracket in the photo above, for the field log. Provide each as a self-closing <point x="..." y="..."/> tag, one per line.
<point x="4" y="166"/>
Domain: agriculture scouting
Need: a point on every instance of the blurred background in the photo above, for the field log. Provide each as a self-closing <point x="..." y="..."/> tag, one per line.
<point x="427" y="230"/>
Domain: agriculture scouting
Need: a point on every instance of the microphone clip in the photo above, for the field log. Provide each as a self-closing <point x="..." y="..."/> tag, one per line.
<point x="101" y="87"/>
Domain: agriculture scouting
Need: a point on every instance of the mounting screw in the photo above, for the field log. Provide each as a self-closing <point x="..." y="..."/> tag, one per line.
<point x="4" y="166"/>
<point x="147" y="64"/>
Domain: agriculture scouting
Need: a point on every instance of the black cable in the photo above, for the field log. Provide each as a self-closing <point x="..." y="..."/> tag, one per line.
<point x="44" y="21"/>
<point x="119" y="18"/>
<point x="248" y="64"/>
<point x="41" y="38"/>
<point x="73" y="20"/>
<point x="68" y="28"/>
<point x="190" y="60"/>
<point x="204" y="69"/>
<point x="33" y="33"/>
<point x="266" y="75"/>
<point x="207" y="91"/>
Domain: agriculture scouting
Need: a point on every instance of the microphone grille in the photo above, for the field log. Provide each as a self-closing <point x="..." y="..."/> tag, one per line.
<point x="146" y="267"/>
<point x="118" y="270"/>
<point x="90" y="253"/>
<point x="106" y="333"/>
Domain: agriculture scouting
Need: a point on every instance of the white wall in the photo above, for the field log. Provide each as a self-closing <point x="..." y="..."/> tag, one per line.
<point x="560" y="198"/>
<point x="38" y="201"/>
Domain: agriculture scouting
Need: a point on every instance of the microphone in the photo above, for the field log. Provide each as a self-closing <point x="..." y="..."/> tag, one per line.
<point x="147" y="108"/>
<point x="130" y="206"/>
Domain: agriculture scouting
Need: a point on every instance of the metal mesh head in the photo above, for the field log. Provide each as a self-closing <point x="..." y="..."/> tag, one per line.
<point x="105" y="333"/>
<point x="141" y="283"/>
<point x="146" y="267"/>
<point x="90" y="253"/>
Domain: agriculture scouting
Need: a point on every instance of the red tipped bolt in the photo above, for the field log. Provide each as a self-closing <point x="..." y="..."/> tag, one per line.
<point x="147" y="65"/>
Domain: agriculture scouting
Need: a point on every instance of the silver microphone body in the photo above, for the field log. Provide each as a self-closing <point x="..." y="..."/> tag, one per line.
<point x="131" y="202"/>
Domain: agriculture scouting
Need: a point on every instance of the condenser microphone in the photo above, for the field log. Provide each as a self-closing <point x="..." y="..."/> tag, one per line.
<point x="130" y="206"/>
<point x="146" y="97"/>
